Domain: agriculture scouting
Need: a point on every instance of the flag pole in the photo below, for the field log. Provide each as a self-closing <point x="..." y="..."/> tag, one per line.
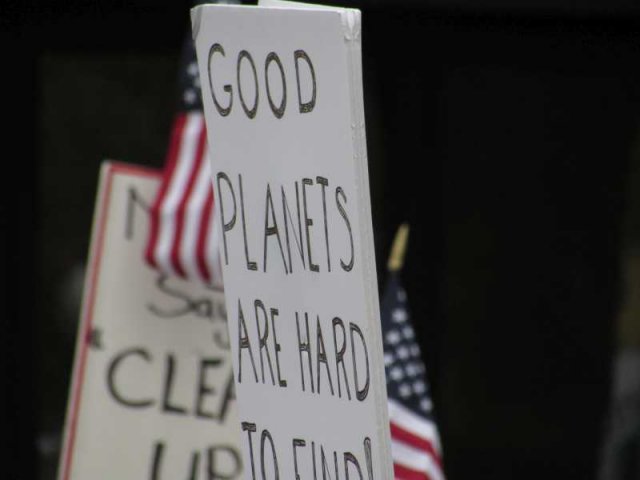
<point x="398" y="249"/>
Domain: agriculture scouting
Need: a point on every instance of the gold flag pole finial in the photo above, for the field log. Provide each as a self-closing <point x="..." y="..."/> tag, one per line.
<point x="398" y="249"/>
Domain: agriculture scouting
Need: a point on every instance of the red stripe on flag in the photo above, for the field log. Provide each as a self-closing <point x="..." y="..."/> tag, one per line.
<point x="402" y="435"/>
<point x="186" y="195"/>
<point x="403" y="473"/>
<point x="203" y="234"/>
<point x="170" y="165"/>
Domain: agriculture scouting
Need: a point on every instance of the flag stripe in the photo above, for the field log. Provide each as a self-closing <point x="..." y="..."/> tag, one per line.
<point x="413" y="424"/>
<point x="403" y="473"/>
<point x="401" y="435"/>
<point x="182" y="240"/>
<point x="198" y="159"/>
<point x="170" y="164"/>
<point x="178" y="182"/>
<point x="416" y="460"/>
<point x="193" y="214"/>
<point x="415" y="441"/>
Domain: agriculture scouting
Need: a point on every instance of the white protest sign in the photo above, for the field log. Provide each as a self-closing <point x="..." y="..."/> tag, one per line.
<point x="152" y="394"/>
<point x="282" y="93"/>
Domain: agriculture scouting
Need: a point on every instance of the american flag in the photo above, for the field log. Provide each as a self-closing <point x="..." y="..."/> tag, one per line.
<point x="183" y="239"/>
<point x="415" y="442"/>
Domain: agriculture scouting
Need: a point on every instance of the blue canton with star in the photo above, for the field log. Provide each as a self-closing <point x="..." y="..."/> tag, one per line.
<point x="406" y="373"/>
<point x="189" y="81"/>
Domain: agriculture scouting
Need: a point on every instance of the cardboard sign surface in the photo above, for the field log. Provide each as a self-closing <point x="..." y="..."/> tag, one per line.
<point x="152" y="394"/>
<point x="282" y="93"/>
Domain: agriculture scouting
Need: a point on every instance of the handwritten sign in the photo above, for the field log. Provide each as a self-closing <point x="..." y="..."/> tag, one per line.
<point x="153" y="390"/>
<point x="282" y="92"/>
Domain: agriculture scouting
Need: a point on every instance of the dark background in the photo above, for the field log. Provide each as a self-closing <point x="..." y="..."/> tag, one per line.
<point x="503" y="133"/>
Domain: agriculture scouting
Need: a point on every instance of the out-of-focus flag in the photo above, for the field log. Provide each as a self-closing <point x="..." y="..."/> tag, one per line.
<point x="415" y="441"/>
<point x="183" y="240"/>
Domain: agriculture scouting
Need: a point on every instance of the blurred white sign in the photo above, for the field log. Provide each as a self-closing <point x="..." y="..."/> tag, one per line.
<point x="152" y="394"/>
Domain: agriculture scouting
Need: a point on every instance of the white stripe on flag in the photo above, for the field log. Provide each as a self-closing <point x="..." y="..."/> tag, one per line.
<point x="193" y="213"/>
<point x="413" y="423"/>
<point x="415" y="459"/>
<point x="179" y="181"/>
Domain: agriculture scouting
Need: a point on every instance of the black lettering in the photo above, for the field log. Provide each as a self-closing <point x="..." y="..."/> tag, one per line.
<point x="337" y="322"/>
<point x="250" y="264"/>
<point x="262" y="338"/>
<point x="361" y="393"/>
<point x="325" y="183"/>
<point x="276" y="346"/>
<point x="133" y="199"/>
<point x="195" y="464"/>
<point x="313" y="460"/>
<point x="304" y="347"/>
<point x="308" y="222"/>
<point x="340" y="193"/>
<point x="251" y="112"/>
<point x="224" y="111"/>
<point x="243" y="342"/>
<point x="287" y="219"/>
<point x="229" y="452"/>
<point x="156" y="460"/>
<point x="350" y="458"/>
<point x="305" y="107"/>
<point x="250" y="428"/>
<point x="297" y="442"/>
<point x="267" y="436"/>
<point x="321" y="357"/>
<point x="368" y="457"/>
<point x="205" y="390"/>
<point x="168" y="387"/>
<point x="226" y="226"/>
<point x="187" y="304"/>
<point x="111" y="374"/>
<point x="271" y="230"/>
<point x="325" y="465"/>
<point x="279" y="110"/>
